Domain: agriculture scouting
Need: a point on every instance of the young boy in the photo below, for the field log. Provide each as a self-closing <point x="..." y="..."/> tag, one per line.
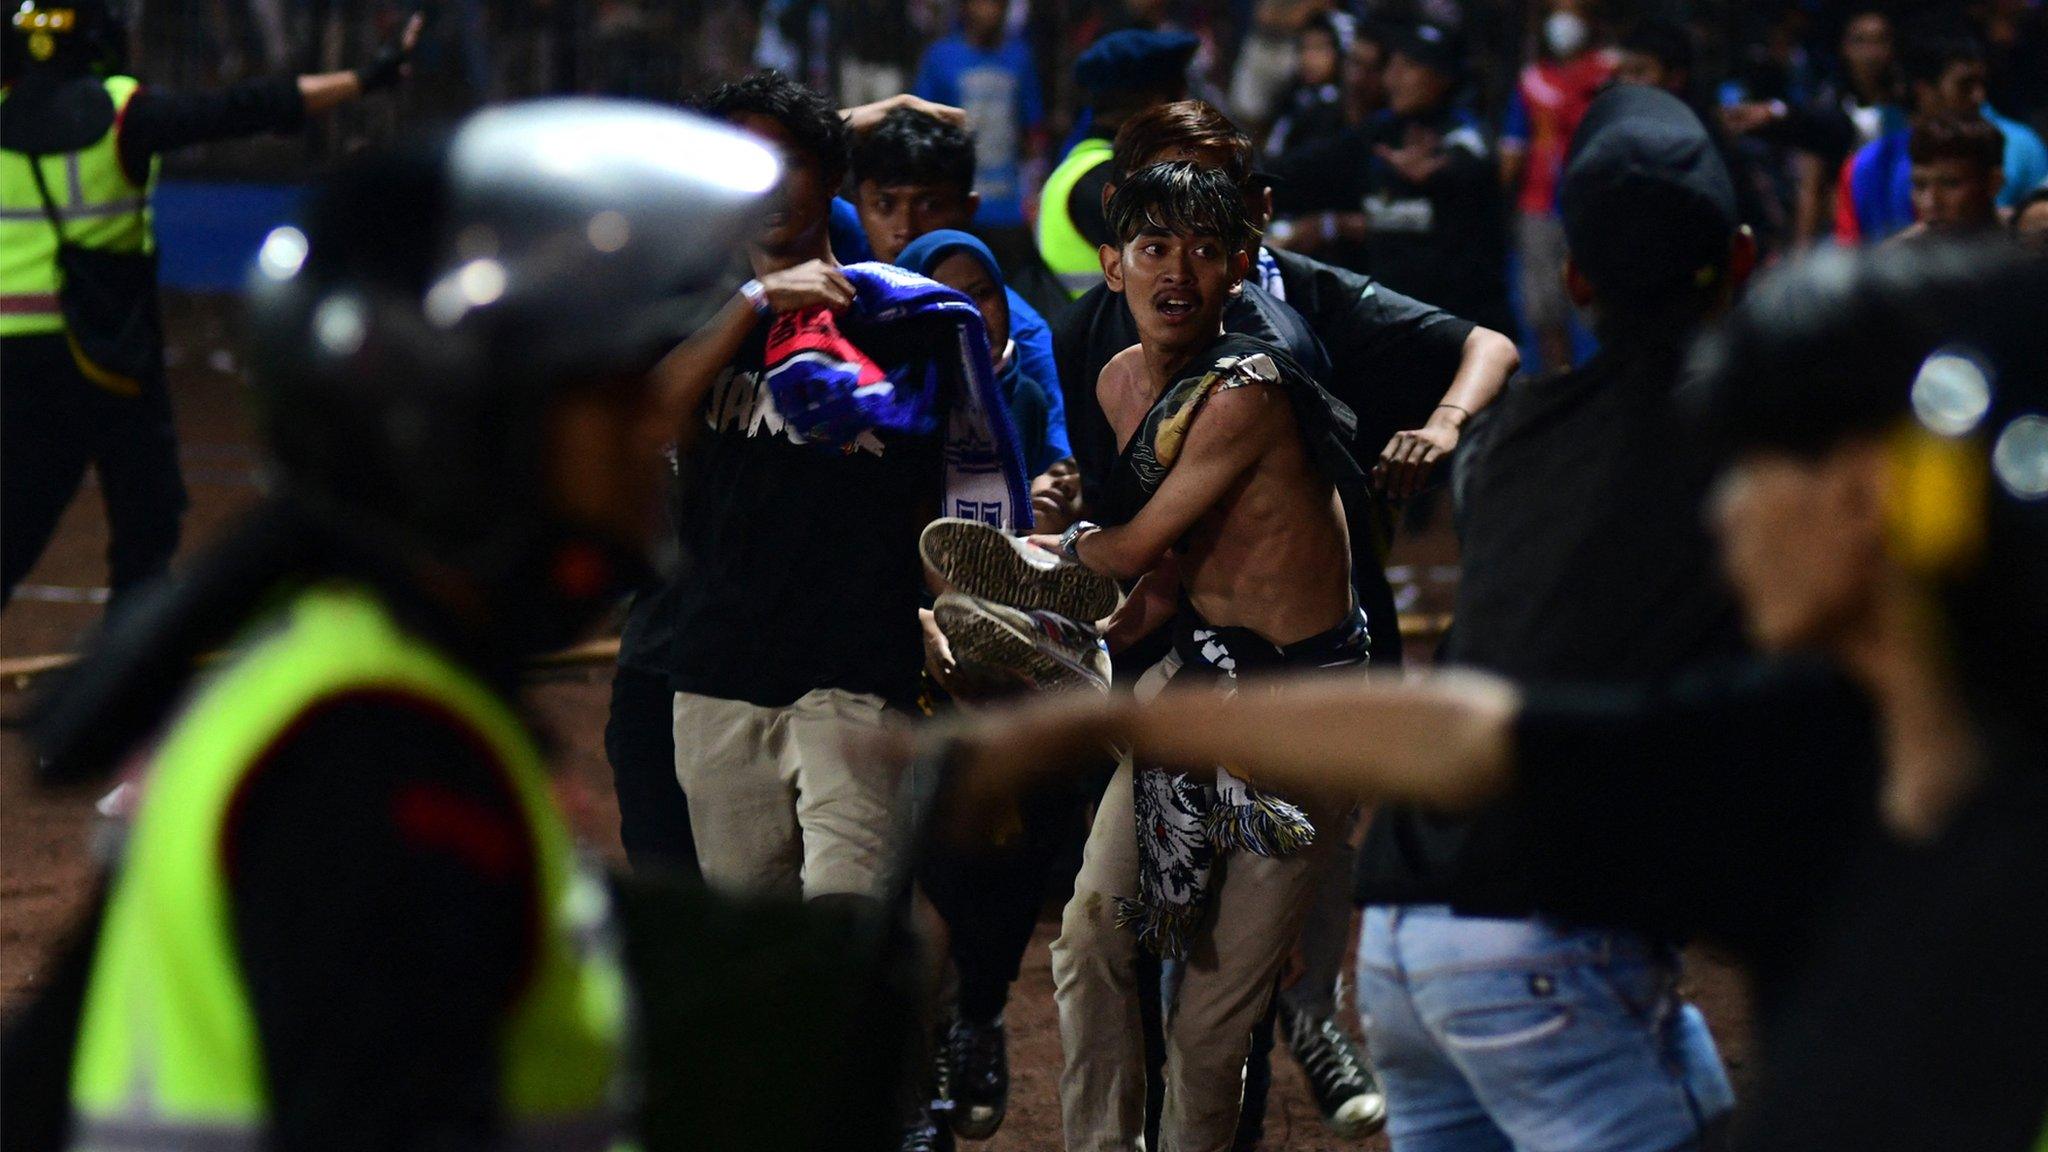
<point x="914" y="173"/>
<point x="1957" y="167"/>
<point x="1225" y="512"/>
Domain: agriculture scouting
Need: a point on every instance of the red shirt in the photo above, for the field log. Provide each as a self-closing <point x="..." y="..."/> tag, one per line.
<point x="1551" y="97"/>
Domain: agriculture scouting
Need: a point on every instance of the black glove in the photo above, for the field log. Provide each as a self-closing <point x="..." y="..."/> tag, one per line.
<point x="384" y="68"/>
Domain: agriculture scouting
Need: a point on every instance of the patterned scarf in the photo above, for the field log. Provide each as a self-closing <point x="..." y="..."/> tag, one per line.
<point x="834" y="388"/>
<point x="1183" y="824"/>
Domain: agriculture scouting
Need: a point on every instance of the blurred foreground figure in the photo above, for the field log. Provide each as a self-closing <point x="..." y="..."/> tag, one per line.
<point x="349" y="914"/>
<point x="79" y="327"/>
<point x="1856" y="816"/>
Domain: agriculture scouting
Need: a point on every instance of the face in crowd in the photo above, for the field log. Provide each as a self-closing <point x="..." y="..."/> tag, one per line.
<point x="965" y="273"/>
<point x="1056" y="497"/>
<point x="1182" y="254"/>
<point x="982" y="21"/>
<point x="1365" y="77"/>
<point x="1867" y="51"/>
<point x="1414" y="88"/>
<point x="1319" y="56"/>
<point x="1961" y="90"/>
<point x="801" y="203"/>
<point x="895" y="215"/>
<point x="1954" y="194"/>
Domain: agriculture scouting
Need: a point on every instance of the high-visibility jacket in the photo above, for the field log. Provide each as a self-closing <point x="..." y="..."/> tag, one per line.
<point x="168" y="1051"/>
<point x="1070" y="256"/>
<point x="101" y="207"/>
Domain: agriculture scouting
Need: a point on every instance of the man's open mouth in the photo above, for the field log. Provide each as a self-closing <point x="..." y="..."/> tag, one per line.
<point x="1174" y="305"/>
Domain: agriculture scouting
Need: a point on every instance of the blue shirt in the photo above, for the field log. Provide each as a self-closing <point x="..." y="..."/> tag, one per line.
<point x="1033" y="338"/>
<point x="849" y="239"/>
<point x="2026" y="159"/>
<point x="999" y="90"/>
<point x="1881" y="176"/>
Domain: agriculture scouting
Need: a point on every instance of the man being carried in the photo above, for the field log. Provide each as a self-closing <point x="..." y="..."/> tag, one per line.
<point x="1225" y="512"/>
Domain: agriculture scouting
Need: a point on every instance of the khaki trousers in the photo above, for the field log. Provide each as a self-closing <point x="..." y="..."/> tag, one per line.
<point x="779" y="804"/>
<point x="1256" y="910"/>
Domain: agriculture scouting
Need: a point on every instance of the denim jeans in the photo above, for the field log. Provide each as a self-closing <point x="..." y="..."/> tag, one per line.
<point x="1498" y="1034"/>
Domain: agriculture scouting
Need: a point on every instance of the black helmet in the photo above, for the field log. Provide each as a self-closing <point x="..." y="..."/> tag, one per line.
<point x="60" y="32"/>
<point x="408" y="336"/>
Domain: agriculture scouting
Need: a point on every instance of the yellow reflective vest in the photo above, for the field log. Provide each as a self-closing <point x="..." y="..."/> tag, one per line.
<point x="101" y="208"/>
<point x="1065" y="251"/>
<point x="168" y="1051"/>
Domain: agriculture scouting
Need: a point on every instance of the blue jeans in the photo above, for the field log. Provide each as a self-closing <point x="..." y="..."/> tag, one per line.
<point x="1491" y="1035"/>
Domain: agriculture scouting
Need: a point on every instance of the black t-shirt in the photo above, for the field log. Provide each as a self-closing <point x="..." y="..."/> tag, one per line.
<point x="1739" y="804"/>
<point x="1392" y="357"/>
<point x="1444" y="241"/>
<point x="1586" y="556"/>
<point x="381" y="879"/>
<point x="799" y="561"/>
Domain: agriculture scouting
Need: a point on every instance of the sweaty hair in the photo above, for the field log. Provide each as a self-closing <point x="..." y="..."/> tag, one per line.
<point x="1972" y="139"/>
<point x="1182" y="198"/>
<point x="1183" y="124"/>
<point x="909" y="147"/>
<point x="1665" y="41"/>
<point x="809" y="118"/>
<point x="1931" y="52"/>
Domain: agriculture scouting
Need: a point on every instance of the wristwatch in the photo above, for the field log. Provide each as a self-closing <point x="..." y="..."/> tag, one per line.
<point x="757" y="297"/>
<point x="1070" y="540"/>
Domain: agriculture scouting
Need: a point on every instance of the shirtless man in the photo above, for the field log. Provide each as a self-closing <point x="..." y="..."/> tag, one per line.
<point x="1226" y="514"/>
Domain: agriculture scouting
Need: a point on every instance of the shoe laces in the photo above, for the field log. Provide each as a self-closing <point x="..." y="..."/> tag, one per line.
<point x="1329" y="1058"/>
<point x="976" y="1046"/>
<point x="1070" y="634"/>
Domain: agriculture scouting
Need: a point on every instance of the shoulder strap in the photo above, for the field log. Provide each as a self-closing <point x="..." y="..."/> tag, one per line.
<point x="35" y="169"/>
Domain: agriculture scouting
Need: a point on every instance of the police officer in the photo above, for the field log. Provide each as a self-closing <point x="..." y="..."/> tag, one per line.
<point x="348" y="915"/>
<point x="1125" y="72"/>
<point x="80" y="147"/>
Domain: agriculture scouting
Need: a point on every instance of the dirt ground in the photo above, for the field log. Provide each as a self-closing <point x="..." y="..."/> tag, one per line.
<point x="46" y="837"/>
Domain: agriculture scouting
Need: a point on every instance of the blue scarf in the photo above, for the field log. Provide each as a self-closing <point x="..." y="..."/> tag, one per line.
<point x="832" y="393"/>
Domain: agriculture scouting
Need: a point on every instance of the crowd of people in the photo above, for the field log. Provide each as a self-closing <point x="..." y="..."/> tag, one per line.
<point x="1051" y="488"/>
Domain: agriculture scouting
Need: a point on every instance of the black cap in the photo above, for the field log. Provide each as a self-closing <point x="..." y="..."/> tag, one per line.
<point x="1135" y="60"/>
<point x="1434" y="46"/>
<point x="1647" y="202"/>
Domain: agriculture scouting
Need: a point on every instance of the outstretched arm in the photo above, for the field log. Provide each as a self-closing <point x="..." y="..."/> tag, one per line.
<point x="161" y="121"/>
<point x="1489" y="359"/>
<point x="1443" y="741"/>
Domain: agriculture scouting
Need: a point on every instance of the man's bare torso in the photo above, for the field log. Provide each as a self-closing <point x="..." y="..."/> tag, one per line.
<point x="1272" y="554"/>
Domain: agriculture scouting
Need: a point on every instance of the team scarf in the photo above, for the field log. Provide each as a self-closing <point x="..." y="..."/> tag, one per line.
<point x="940" y="380"/>
<point x="1183" y="824"/>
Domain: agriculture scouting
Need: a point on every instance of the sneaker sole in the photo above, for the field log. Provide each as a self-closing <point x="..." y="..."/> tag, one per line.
<point x="967" y="1129"/>
<point x="980" y="638"/>
<point x="1366" y="1120"/>
<point x="980" y="561"/>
